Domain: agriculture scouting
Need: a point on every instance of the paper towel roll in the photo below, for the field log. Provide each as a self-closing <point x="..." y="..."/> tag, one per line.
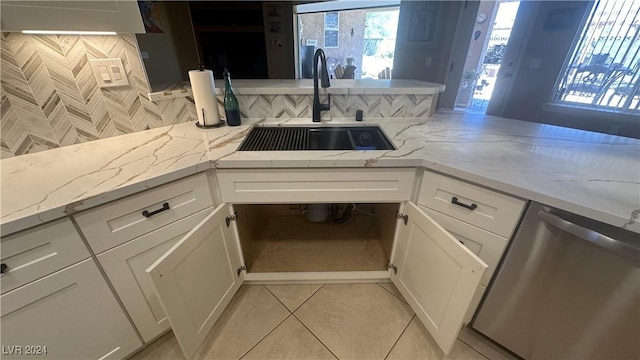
<point x="204" y="95"/>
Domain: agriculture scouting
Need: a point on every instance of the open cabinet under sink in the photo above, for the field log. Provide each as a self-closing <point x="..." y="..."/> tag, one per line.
<point x="197" y="278"/>
<point x="281" y="238"/>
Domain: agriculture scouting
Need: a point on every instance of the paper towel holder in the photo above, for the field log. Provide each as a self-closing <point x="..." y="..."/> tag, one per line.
<point x="201" y="126"/>
<point x="221" y="123"/>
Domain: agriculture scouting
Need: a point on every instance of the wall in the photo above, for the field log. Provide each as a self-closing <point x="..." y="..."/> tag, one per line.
<point x="313" y="28"/>
<point x="50" y="98"/>
<point x="173" y="52"/>
<point x="280" y="55"/>
<point x="410" y="56"/>
<point x="532" y="89"/>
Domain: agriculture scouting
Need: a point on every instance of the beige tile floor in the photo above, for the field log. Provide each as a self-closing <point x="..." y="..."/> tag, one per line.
<point x="330" y="321"/>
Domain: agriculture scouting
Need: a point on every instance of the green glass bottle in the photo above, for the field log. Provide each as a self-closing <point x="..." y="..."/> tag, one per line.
<point x="231" y="108"/>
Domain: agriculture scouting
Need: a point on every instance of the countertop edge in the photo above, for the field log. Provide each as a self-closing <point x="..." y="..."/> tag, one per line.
<point x="302" y="87"/>
<point x="77" y="206"/>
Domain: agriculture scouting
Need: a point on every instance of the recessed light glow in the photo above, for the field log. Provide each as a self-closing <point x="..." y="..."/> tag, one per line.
<point x="55" y="32"/>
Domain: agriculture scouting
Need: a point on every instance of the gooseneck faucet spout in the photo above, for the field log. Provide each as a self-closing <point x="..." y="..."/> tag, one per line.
<point x="318" y="107"/>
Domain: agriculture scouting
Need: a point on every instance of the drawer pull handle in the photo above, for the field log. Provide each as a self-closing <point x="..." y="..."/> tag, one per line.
<point x="146" y="213"/>
<point x="454" y="200"/>
<point x="3" y="268"/>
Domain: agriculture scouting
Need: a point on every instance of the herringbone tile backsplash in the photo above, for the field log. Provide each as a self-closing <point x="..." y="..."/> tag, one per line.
<point x="50" y="97"/>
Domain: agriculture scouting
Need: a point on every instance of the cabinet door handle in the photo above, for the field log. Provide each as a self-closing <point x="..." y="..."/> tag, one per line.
<point x="454" y="200"/>
<point x="146" y="213"/>
<point x="3" y="268"/>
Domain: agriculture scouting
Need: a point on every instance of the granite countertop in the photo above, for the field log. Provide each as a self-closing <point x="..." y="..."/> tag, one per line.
<point x="304" y="87"/>
<point x="591" y="174"/>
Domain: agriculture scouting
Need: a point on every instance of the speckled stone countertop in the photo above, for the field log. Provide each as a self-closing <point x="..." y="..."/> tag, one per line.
<point x="591" y="174"/>
<point x="305" y="86"/>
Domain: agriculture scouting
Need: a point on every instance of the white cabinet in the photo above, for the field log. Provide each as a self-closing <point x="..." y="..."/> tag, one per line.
<point x="39" y="251"/>
<point x="495" y="212"/>
<point x="72" y="313"/>
<point x="245" y="186"/>
<point x="435" y="274"/>
<point x="196" y="278"/>
<point x="125" y="267"/>
<point x="122" y="220"/>
<point x="55" y="303"/>
<point x="486" y="245"/>
<point x="131" y="233"/>
<point x="481" y="219"/>
<point x="106" y="15"/>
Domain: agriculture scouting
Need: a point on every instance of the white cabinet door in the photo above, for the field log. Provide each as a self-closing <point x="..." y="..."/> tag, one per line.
<point x="198" y="276"/>
<point x="126" y="266"/>
<point x="435" y="273"/>
<point x="106" y="15"/>
<point x="72" y="313"/>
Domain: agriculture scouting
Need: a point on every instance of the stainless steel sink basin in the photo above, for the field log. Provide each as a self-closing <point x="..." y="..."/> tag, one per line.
<point x="289" y="138"/>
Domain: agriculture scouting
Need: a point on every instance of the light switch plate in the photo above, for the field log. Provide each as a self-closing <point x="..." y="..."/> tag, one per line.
<point x="110" y="78"/>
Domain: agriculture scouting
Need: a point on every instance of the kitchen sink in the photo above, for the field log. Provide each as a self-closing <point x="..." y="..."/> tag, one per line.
<point x="295" y="138"/>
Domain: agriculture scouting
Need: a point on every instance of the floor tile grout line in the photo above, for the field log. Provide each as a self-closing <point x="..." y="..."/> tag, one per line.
<point x="264" y="337"/>
<point x="294" y="310"/>
<point x="394" y="295"/>
<point x="398" y="339"/>
<point x="274" y="295"/>
<point x="315" y="336"/>
<point x="309" y="298"/>
<point x="474" y="349"/>
<point x="305" y="325"/>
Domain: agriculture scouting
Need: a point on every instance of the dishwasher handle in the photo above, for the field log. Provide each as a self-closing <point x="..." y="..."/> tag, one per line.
<point x="619" y="248"/>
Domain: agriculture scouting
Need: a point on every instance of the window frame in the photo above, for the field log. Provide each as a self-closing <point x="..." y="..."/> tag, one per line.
<point x="601" y="99"/>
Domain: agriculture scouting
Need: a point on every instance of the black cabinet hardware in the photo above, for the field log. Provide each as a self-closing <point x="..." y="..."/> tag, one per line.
<point x="146" y="213"/>
<point x="454" y="200"/>
<point x="3" y="268"/>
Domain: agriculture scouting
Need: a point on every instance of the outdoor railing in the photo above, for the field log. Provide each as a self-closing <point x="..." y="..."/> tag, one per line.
<point x="614" y="87"/>
<point x="603" y="71"/>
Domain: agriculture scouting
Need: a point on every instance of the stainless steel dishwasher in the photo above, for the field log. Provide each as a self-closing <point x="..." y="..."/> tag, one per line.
<point x="568" y="288"/>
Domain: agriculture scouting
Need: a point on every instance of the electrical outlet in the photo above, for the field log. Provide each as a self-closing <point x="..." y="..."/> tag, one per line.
<point x="109" y="72"/>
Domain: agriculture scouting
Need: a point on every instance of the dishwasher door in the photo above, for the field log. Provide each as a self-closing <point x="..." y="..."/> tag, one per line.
<point x="568" y="288"/>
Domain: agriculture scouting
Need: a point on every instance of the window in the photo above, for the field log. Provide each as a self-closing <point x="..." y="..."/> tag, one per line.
<point x="358" y="37"/>
<point x="602" y="72"/>
<point x="331" y="27"/>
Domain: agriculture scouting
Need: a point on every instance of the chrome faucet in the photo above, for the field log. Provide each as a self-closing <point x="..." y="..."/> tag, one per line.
<point x="318" y="107"/>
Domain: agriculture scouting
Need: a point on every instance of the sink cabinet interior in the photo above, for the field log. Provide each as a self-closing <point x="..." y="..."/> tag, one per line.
<point x="281" y="238"/>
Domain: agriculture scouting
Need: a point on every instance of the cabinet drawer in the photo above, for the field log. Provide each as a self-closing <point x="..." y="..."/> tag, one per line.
<point x="243" y="186"/>
<point x="126" y="265"/>
<point x="72" y="312"/>
<point x="488" y="246"/>
<point x="483" y="208"/>
<point x="117" y="222"/>
<point x="40" y="251"/>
